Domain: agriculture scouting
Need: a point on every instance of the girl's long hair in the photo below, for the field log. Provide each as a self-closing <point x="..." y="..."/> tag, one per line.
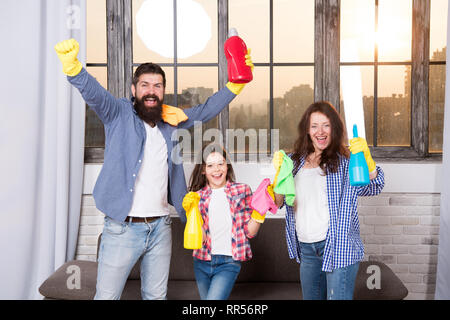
<point x="198" y="178"/>
<point x="303" y="146"/>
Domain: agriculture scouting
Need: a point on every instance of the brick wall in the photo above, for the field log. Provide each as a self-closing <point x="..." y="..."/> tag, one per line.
<point x="401" y="230"/>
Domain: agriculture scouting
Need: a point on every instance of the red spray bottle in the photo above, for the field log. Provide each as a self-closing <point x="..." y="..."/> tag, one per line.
<point x="235" y="51"/>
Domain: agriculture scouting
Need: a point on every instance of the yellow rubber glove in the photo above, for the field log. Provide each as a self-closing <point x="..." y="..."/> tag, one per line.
<point x="277" y="161"/>
<point x="258" y="217"/>
<point x="190" y="199"/>
<point x="255" y="214"/>
<point x="67" y="52"/>
<point x="360" y="144"/>
<point x="236" y="88"/>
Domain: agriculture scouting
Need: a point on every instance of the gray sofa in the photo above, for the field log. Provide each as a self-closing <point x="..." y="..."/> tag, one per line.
<point x="270" y="275"/>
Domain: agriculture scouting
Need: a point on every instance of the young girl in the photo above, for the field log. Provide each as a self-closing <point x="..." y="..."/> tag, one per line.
<point x="227" y="224"/>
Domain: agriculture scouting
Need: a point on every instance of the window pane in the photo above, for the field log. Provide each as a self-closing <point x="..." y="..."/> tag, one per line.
<point x="99" y="73"/>
<point x="153" y="36"/>
<point x="293" y="93"/>
<point x="152" y="31"/>
<point x="250" y="109"/>
<point x="438" y="29"/>
<point x="289" y="17"/>
<point x="96" y="35"/>
<point x="394" y="106"/>
<point x="196" y="85"/>
<point x="357" y="27"/>
<point x="251" y="20"/>
<point x="197" y="36"/>
<point x="394" y="30"/>
<point x="436" y="111"/>
<point x="94" y="132"/>
<point x="368" y="100"/>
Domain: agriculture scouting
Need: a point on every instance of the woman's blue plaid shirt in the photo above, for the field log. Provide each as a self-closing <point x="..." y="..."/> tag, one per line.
<point x="343" y="245"/>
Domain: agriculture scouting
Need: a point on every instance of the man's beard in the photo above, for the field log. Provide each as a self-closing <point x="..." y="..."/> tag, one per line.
<point x="149" y="115"/>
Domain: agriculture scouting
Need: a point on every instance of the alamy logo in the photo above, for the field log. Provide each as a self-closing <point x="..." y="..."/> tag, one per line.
<point x="374" y="281"/>
<point x="74" y="280"/>
<point x="74" y="17"/>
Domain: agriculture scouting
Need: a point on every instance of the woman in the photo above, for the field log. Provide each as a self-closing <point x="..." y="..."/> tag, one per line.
<point x="322" y="228"/>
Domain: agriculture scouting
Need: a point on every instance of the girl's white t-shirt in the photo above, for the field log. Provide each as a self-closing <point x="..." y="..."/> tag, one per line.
<point x="220" y="223"/>
<point x="312" y="214"/>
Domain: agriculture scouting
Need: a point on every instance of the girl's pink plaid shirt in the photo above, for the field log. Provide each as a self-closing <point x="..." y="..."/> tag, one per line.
<point x="239" y="196"/>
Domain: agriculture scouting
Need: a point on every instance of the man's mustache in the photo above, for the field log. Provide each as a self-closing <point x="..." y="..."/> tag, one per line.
<point x="151" y="96"/>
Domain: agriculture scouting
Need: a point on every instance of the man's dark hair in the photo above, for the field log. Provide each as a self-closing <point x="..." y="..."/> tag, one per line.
<point x="148" y="68"/>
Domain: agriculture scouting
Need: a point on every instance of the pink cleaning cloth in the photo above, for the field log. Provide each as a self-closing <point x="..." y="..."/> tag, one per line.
<point x="261" y="199"/>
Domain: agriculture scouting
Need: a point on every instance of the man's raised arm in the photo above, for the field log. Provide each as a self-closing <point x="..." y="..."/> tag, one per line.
<point x="101" y="101"/>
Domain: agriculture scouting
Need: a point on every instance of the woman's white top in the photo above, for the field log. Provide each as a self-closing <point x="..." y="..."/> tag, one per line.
<point x="312" y="215"/>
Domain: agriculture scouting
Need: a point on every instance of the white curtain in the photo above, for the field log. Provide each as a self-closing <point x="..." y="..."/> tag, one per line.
<point x="443" y="267"/>
<point x="41" y="141"/>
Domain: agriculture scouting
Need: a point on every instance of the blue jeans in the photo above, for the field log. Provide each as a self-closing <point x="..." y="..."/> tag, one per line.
<point x="215" y="278"/>
<point x="319" y="285"/>
<point x="122" y="244"/>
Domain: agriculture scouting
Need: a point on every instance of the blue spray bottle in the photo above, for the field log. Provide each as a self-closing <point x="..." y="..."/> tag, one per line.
<point x="358" y="170"/>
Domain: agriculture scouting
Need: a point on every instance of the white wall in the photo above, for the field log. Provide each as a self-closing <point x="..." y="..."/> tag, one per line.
<point x="401" y="177"/>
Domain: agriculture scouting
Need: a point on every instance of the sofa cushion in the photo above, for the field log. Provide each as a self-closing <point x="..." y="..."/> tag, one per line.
<point x="270" y="262"/>
<point x="266" y="291"/>
<point x="389" y="287"/>
<point x="270" y="275"/>
<point x="182" y="290"/>
<point x="56" y="286"/>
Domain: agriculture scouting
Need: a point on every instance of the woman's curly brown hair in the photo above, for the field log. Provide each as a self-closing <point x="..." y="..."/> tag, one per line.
<point x="303" y="145"/>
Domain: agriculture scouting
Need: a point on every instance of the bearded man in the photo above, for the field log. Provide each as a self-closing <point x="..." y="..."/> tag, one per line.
<point x="138" y="179"/>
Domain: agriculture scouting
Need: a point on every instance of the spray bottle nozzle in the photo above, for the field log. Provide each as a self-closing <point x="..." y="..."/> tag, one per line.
<point x="355" y="131"/>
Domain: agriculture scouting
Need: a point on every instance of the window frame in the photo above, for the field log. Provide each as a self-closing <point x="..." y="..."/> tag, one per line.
<point x="326" y="68"/>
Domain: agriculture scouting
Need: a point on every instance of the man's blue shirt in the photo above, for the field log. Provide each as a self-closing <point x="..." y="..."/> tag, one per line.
<point x="125" y="138"/>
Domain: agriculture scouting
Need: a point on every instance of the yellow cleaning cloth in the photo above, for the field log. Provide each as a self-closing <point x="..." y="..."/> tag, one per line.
<point x="173" y="115"/>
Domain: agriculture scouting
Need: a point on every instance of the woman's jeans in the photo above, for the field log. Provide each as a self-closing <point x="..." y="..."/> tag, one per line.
<point x="319" y="285"/>
<point x="215" y="278"/>
<point x="122" y="244"/>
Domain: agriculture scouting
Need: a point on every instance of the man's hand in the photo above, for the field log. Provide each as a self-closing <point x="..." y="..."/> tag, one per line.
<point x="67" y="52"/>
<point x="236" y="88"/>
<point x="360" y="144"/>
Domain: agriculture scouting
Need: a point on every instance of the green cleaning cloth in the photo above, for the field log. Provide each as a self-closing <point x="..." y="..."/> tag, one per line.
<point x="285" y="182"/>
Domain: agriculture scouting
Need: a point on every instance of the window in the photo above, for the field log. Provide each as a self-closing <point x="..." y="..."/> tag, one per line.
<point x="376" y="39"/>
<point x="96" y="64"/>
<point x="299" y="54"/>
<point x="382" y="42"/>
<point x="438" y="48"/>
<point x="283" y="85"/>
